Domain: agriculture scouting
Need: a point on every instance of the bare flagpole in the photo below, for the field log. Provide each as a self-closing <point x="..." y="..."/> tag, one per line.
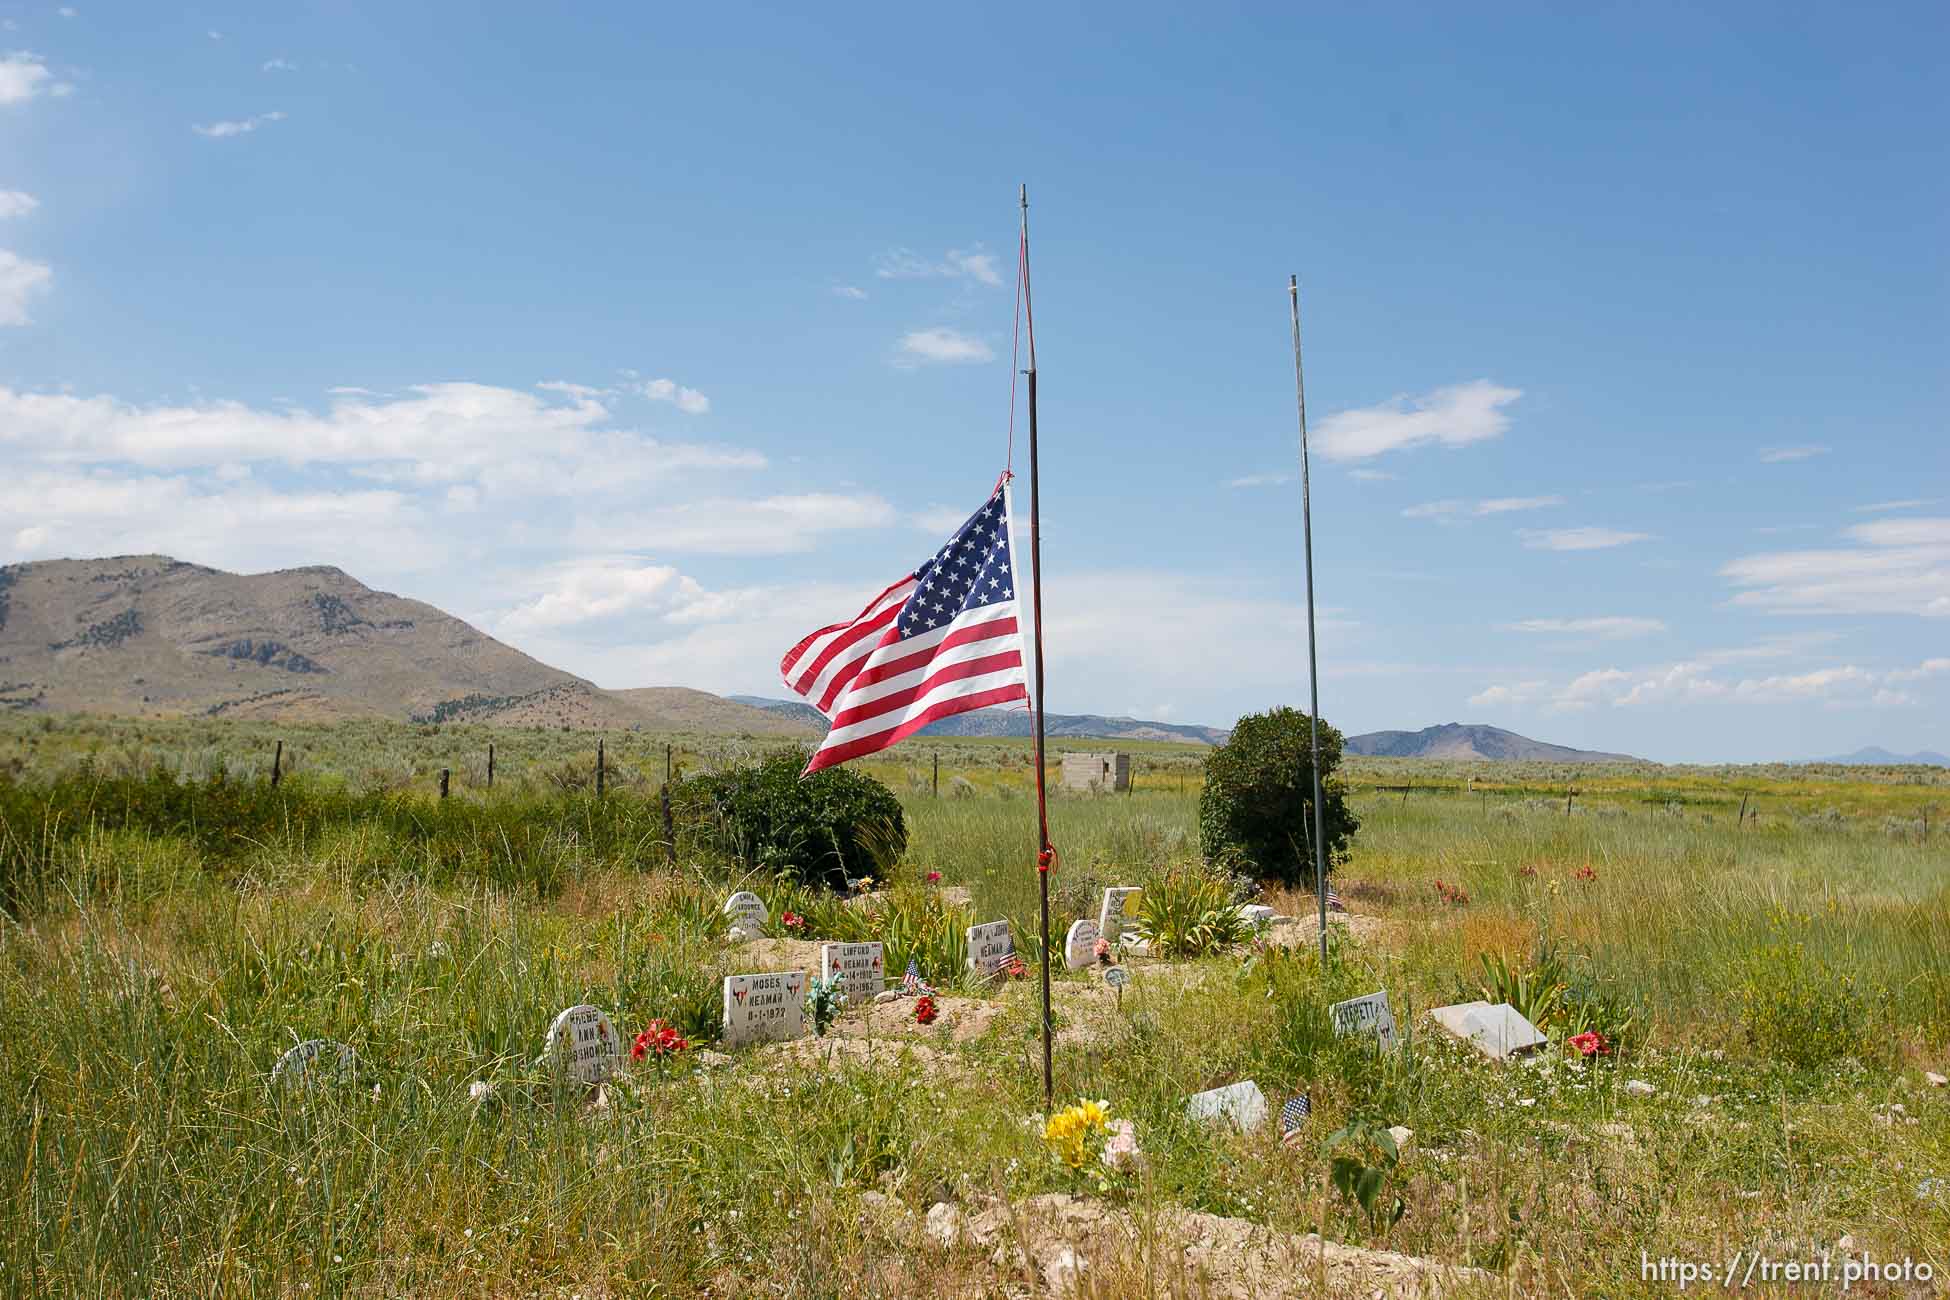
<point x="1313" y="660"/>
<point x="1045" y="855"/>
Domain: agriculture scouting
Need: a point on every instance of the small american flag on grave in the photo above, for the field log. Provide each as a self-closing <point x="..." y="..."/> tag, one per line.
<point x="1293" y="1118"/>
<point x="1334" y="903"/>
<point x="912" y="985"/>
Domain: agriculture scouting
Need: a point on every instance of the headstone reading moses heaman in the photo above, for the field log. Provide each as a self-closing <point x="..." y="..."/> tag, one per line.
<point x="1080" y="945"/>
<point x="767" y="1008"/>
<point x="582" y="1043"/>
<point x="1120" y="911"/>
<point x="747" y="909"/>
<point x="989" y="947"/>
<point x="863" y="966"/>
<point x="302" y="1066"/>
<point x="1365" y="1015"/>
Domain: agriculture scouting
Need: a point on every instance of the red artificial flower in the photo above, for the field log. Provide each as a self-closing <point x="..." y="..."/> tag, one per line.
<point x="1590" y="1043"/>
<point x="1014" y="968"/>
<point x="1527" y="870"/>
<point x="1586" y="872"/>
<point x="659" y="1039"/>
<point x="925" y="1011"/>
<point x="934" y="877"/>
<point x="791" y="920"/>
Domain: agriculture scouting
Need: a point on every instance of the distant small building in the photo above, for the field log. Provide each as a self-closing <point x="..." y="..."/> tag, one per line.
<point x="1106" y="772"/>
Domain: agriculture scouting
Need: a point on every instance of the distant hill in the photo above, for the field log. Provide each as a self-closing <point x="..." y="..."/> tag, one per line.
<point x="150" y="636"/>
<point x="1876" y="756"/>
<point x="1470" y="740"/>
<point x="1016" y="722"/>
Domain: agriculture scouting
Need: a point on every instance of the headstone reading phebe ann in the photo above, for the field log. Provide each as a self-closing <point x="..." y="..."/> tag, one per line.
<point x="1120" y="911"/>
<point x="316" y="1061"/>
<point x="1365" y="1015"/>
<point x="764" y="1008"/>
<point x="1241" y="1104"/>
<point x="747" y="909"/>
<point x="989" y="947"/>
<point x="863" y="966"/>
<point x="1080" y="945"/>
<point x="582" y="1043"/>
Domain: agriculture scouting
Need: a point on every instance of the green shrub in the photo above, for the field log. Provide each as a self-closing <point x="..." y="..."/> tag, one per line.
<point x="1189" y="912"/>
<point x="1258" y="797"/>
<point x="1799" y="1009"/>
<point x="826" y="828"/>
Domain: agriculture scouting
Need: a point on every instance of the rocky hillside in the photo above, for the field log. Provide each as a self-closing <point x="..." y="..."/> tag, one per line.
<point x="146" y="635"/>
<point x="1471" y="740"/>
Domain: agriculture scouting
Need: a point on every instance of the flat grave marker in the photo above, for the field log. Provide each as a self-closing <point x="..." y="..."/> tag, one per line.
<point x="1497" y="1031"/>
<point x="990" y="946"/>
<point x="861" y="966"/>
<point x="1369" y="1014"/>
<point x="583" y="1044"/>
<point x="1080" y="945"/>
<point x="768" y="1008"/>
<point x="335" y="1063"/>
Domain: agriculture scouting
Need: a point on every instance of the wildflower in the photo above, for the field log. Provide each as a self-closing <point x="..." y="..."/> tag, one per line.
<point x="1590" y="1043"/>
<point x="1527" y="870"/>
<point x="1121" y="1149"/>
<point x="925" y="1011"/>
<point x="1068" y="1132"/>
<point x="791" y="920"/>
<point x="934" y="877"/>
<point x="1586" y="872"/>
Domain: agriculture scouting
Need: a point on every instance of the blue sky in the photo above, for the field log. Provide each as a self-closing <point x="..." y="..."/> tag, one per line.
<point x="649" y="339"/>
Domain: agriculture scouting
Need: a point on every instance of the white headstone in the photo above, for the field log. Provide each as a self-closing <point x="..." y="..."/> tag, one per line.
<point x="1080" y="945"/>
<point x="1256" y="914"/>
<point x="302" y="1066"/>
<point x="747" y="909"/>
<point x="1243" y="1104"/>
<point x="764" y="1008"/>
<point x="1120" y="910"/>
<point x="989" y="947"/>
<point x="583" y="1043"/>
<point x="863" y="966"/>
<point x="1497" y="1031"/>
<point x="1365" y="1015"/>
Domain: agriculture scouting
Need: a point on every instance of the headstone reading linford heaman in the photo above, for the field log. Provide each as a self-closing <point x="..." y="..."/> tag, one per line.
<point x="863" y="966"/>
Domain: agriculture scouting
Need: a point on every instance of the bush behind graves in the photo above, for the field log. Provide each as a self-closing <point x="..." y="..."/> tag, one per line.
<point x="834" y="825"/>
<point x="1259" y="792"/>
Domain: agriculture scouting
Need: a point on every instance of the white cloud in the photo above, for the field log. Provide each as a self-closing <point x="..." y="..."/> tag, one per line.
<point x="1451" y="417"/>
<point x="1586" y="689"/>
<point x="68" y="11"/>
<point x="1878" y="507"/>
<point x="1510" y="694"/>
<point x="214" y="34"/>
<point x="24" y="75"/>
<point x="849" y="291"/>
<point x="235" y="127"/>
<point x="1928" y="668"/>
<point x="942" y="345"/>
<point x="1681" y="681"/>
<point x="1782" y="455"/>
<point x="1370" y="475"/>
<point x="279" y="65"/>
<point x="940" y="520"/>
<point x="1451" y="507"/>
<point x="1577" y="539"/>
<point x="1888" y="699"/>
<point x="1260" y="480"/>
<point x="687" y="400"/>
<point x="599" y="587"/>
<point x="20" y="280"/>
<point x="771" y="525"/>
<point x="956" y="264"/>
<point x="1505" y="505"/>
<point x="1902" y="566"/>
<point x="1435" y="509"/>
<point x="16" y="203"/>
<point x="1610" y="626"/>
<point x="1805" y="686"/>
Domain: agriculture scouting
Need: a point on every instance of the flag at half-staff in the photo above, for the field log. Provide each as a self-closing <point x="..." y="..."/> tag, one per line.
<point x="942" y="640"/>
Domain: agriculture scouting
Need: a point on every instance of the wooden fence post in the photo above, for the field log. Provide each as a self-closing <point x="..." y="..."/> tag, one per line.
<point x="1568" y="792"/>
<point x="1742" y="823"/>
<point x="599" y="767"/>
<point x="277" y="765"/>
<point x="490" y="765"/>
<point x="937" y="774"/>
<point x="444" y="774"/>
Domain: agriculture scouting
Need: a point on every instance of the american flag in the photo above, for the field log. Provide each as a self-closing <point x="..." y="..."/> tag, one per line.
<point x="1334" y="903"/>
<point x="941" y="641"/>
<point x="1293" y="1118"/>
<point x="912" y="985"/>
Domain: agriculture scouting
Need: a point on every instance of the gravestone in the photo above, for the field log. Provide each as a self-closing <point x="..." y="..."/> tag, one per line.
<point x="1241" y="1104"/>
<point x="583" y="1044"/>
<point x="862" y="966"/>
<point x="1366" y="1015"/>
<point x="1116" y="976"/>
<point x="302" y="1066"/>
<point x="1119" y="912"/>
<point x="989" y="947"/>
<point x="764" y="1008"/>
<point x="747" y="910"/>
<point x="1497" y="1031"/>
<point x="1256" y="914"/>
<point x="1080" y="945"/>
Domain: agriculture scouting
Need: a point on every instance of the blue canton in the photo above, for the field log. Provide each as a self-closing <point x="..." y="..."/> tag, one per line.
<point x="974" y="569"/>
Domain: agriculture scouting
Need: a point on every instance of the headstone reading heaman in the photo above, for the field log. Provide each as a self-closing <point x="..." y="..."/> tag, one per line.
<point x="1242" y="1104"/>
<point x="583" y="1044"/>
<point x="863" y="966"/>
<point x="1120" y="911"/>
<point x="746" y="909"/>
<point x="1080" y="945"/>
<point x="1365" y="1015"/>
<point x="989" y="947"/>
<point x="302" y="1066"/>
<point x="764" y="1008"/>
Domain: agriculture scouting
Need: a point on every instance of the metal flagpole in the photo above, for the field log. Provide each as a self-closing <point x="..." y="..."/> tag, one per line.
<point x="1313" y="661"/>
<point x="1045" y="855"/>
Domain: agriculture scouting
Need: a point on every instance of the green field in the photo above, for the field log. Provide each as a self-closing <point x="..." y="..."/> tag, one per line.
<point x="1782" y="980"/>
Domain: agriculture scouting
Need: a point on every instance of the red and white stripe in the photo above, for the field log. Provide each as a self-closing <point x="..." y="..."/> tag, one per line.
<point x="877" y="688"/>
